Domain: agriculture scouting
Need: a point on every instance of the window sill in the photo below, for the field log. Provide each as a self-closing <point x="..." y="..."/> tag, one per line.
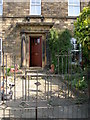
<point x="72" y="17"/>
<point x="34" y="16"/>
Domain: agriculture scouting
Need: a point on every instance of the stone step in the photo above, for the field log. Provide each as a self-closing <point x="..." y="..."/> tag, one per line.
<point x="34" y="69"/>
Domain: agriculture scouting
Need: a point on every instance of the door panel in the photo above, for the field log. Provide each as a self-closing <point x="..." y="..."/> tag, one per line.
<point x="35" y="52"/>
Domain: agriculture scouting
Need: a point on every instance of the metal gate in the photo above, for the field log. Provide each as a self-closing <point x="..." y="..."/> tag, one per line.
<point x="39" y="94"/>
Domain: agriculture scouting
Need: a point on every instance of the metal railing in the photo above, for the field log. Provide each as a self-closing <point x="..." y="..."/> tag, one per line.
<point x="41" y="94"/>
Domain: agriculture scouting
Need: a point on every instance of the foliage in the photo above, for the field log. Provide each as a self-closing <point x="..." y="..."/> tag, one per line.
<point x="82" y="32"/>
<point x="76" y="68"/>
<point x="77" y="80"/>
<point x="12" y="66"/>
<point x="53" y="45"/>
<point x="79" y="83"/>
<point x="59" y="43"/>
<point x="64" y="41"/>
<point x="8" y="71"/>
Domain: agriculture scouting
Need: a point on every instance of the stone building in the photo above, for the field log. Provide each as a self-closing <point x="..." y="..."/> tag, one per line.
<point x="25" y="25"/>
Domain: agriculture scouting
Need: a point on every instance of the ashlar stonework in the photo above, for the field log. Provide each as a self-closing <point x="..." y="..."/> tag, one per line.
<point x="16" y="21"/>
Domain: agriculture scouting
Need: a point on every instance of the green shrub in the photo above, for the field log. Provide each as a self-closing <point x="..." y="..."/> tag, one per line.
<point x="79" y="83"/>
<point x="77" y="80"/>
<point x="59" y="43"/>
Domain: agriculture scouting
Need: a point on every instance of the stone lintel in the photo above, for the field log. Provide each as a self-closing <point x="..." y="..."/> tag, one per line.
<point x="35" y="32"/>
<point x="35" y="24"/>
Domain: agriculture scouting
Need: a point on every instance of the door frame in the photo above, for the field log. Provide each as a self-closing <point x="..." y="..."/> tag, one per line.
<point x="30" y="50"/>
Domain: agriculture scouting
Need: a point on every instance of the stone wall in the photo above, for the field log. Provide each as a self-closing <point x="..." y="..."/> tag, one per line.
<point x="49" y="9"/>
<point x="58" y="9"/>
<point x="13" y="9"/>
<point x="14" y="13"/>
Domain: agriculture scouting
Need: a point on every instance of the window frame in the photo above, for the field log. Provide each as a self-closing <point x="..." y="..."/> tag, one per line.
<point x="35" y="4"/>
<point x="73" y="5"/>
<point x="74" y="51"/>
<point x="1" y="51"/>
<point x="1" y="5"/>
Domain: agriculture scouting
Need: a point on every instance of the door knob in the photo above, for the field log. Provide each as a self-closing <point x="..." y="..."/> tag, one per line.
<point x="36" y="53"/>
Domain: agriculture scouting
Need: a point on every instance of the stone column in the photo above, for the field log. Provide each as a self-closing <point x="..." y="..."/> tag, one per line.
<point x="23" y="51"/>
<point x="27" y="51"/>
<point x="47" y="50"/>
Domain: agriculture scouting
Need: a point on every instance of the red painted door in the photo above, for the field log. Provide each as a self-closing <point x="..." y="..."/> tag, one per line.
<point x="35" y="52"/>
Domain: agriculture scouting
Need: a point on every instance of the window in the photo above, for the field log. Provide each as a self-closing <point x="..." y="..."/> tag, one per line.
<point x="76" y="51"/>
<point x="0" y="51"/>
<point x="35" y="7"/>
<point x="1" y="7"/>
<point x="73" y="7"/>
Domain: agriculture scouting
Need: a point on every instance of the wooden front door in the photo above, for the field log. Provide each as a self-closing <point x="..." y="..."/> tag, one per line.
<point x="35" y="52"/>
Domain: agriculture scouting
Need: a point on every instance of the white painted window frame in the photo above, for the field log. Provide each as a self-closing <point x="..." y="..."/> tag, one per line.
<point x="74" y="5"/>
<point x="1" y="51"/>
<point x="1" y="5"/>
<point x="73" y="42"/>
<point x="31" y="4"/>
